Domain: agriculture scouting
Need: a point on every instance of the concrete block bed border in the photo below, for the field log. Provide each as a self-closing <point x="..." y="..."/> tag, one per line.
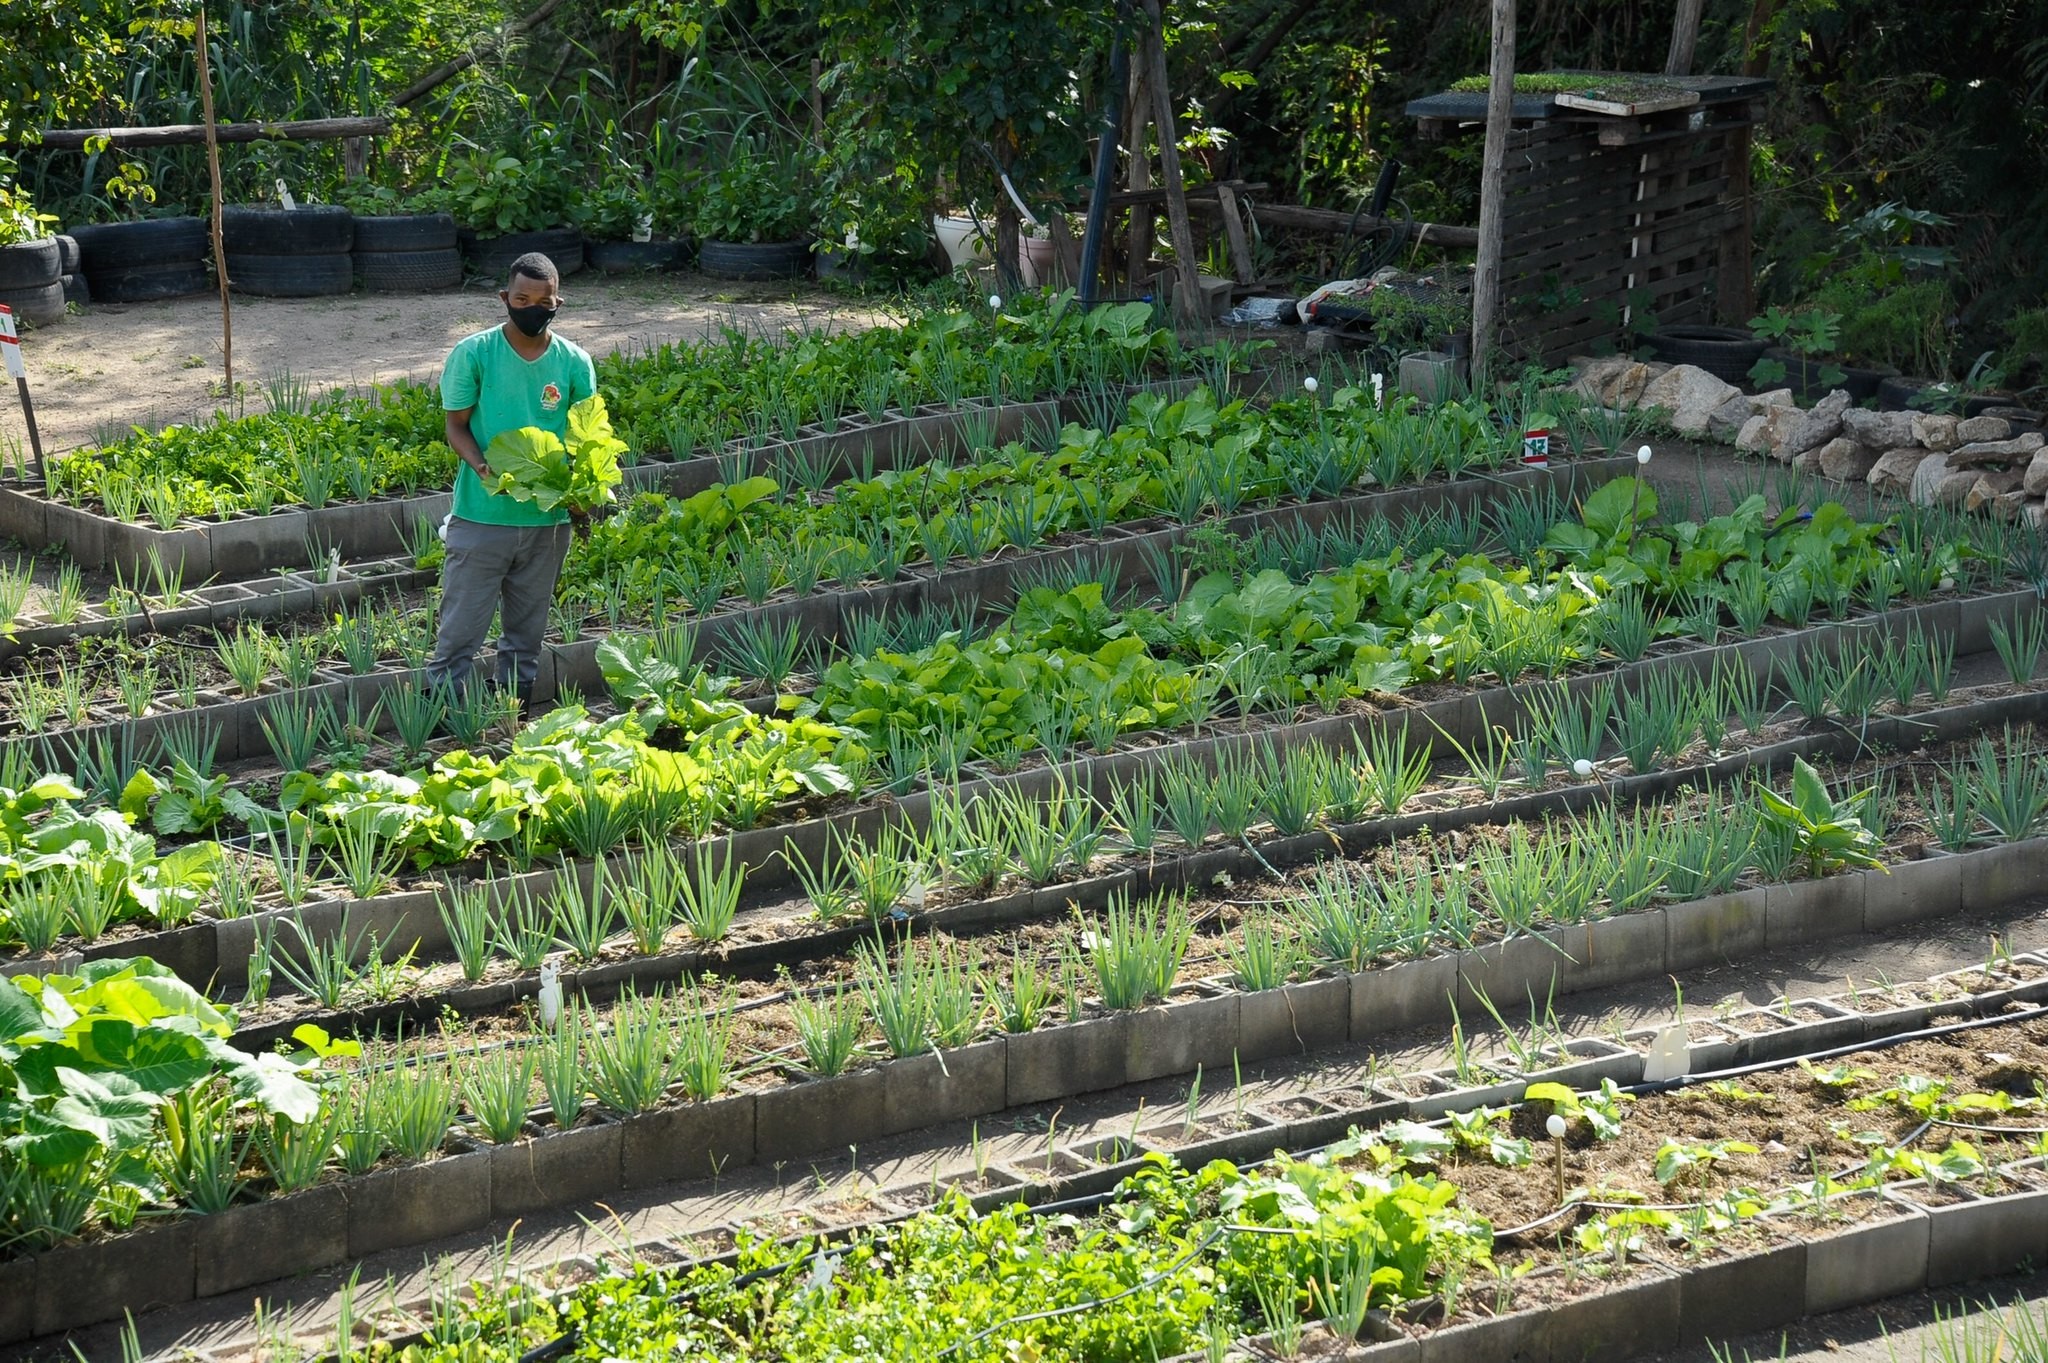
<point x="247" y="545"/>
<point x="823" y="615"/>
<point x="218" y="950"/>
<point x="464" y="1190"/>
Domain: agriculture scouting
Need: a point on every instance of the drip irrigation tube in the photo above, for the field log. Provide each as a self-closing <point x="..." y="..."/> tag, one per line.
<point x="561" y="1344"/>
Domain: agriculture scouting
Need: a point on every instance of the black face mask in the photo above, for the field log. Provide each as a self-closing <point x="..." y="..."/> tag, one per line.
<point x="531" y="321"/>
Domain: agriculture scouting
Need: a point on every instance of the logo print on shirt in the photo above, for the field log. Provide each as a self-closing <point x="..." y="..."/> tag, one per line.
<point x="550" y="398"/>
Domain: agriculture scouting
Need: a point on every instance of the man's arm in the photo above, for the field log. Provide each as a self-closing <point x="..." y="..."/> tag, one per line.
<point x="464" y="444"/>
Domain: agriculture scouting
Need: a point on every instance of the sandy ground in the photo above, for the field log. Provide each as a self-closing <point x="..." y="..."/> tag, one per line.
<point x="152" y="364"/>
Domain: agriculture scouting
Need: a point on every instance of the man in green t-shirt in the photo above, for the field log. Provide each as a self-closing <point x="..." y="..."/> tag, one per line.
<point x="504" y="555"/>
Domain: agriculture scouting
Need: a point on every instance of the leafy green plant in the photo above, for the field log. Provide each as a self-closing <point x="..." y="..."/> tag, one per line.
<point x="577" y="474"/>
<point x="1822" y="831"/>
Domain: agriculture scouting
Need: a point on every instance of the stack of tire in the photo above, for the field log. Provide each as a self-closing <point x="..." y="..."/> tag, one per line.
<point x="31" y="280"/>
<point x="288" y="252"/>
<point x="71" y="261"/>
<point x="408" y="254"/>
<point x="140" y="262"/>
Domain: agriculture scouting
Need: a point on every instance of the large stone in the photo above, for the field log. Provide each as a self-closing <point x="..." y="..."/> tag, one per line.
<point x="1979" y="453"/>
<point x="1990" y="486"/>
<point x="1727" y="421"/>
<point x="2034" y="515"/>
<point x="1625" y="388"/>
<point x="1878" y="430"/>
<point x="2009" y="506"/>
<point x="1935" y="430"/>
<point x="1816" y="427"/>
<point x="1777" y="397"/>
<point x="1777" y="432"/>
<point x="1977" y="428"/>
<point x="1808" y="461"/>
<point x="1690" y="394"/>
<point x="1893" y="472"/>
<point x="1595" y="373"/>
<point x="2037" y="474"/>
<point x="1845" y="460"/>
<point x="1927" y="477"/>
<point x="1755" y="435"/>
<point x="1955" y="489"/>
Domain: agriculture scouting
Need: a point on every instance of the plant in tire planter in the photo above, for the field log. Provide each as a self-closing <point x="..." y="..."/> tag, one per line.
<point x="619" y="220"/>
<point x="514" y="204"/>
<point x="31" y="265"/>
<point x="404" y="245"/>
<point x="1799" y="347"/>
<point x="754" y="219"/>
<point x="275" y="252"/>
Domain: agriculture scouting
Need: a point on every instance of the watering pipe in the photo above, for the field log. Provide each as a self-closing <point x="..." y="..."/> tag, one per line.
<point x="1105" y="164"/>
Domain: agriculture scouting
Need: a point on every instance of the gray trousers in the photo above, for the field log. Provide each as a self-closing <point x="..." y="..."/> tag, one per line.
<point x="509" y="569"/>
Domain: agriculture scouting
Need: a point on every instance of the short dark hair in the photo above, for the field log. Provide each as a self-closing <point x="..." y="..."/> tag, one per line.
<point x="534" y="265"/>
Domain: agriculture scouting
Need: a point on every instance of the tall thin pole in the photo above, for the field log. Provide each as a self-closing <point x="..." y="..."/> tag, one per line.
<point x="220" y="257"/>
<point x="1188" y="295"/>
<point x="1500" y="108"/>
<point x="1105" y="161"/>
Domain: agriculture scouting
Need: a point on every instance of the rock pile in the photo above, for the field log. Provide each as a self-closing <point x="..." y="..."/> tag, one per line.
<point x="1978" y="463"/>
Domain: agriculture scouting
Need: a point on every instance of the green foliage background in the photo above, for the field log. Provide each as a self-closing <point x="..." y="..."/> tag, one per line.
<point x="1938" y="107"/>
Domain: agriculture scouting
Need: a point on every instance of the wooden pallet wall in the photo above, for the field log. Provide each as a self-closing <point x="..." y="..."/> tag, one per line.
<point x="1605" y="214"/>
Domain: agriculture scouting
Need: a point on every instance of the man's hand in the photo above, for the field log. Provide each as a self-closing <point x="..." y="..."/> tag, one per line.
<point x="579" y="518"/>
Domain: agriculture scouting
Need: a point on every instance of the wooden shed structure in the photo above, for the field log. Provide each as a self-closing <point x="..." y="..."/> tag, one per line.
<point x="1617" y="207"/>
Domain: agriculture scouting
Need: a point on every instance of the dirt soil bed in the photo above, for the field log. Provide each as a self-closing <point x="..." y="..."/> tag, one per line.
<point x="152" y="364"/>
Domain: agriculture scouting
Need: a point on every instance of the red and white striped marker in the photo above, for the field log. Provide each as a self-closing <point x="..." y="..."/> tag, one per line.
<point x="10" y="344"/>
<point x="10" y="354"/>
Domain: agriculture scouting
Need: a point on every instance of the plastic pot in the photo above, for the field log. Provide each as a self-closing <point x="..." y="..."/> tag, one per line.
<point x="1803" y="376"/>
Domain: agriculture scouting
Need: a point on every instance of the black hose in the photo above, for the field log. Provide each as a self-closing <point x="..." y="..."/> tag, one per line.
<point x="562" y="1343"/>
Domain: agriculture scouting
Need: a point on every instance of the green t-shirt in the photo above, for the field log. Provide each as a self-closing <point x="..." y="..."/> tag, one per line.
<point x="508" y="392"/>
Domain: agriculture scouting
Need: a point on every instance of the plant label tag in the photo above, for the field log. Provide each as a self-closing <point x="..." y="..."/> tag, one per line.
<point x="550" y="993"/>
<point x="1670" y="1055"/>
<point x="284" y="196"/>
<point x="10" y="345"/>
<point x="1536" y="447"/>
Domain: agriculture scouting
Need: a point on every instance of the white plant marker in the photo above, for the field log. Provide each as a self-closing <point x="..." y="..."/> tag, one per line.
<point x="550" y="993"/>
<point x="1582" y="768"/>
<point x="1643" y="455"/>
<point x="1670" y="1055"/>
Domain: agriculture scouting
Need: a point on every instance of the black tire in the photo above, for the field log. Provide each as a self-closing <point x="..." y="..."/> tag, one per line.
<point x="77" y="292"/>
<point x="148" y="283"/>
<point x="408" y="271"/>
<point x="1896" y="394"/>
<point x="315" y="230"/>
<point x="30" y="265"/>
<point x="70" y="260"/>
<point x="1802" y="376"/>
<point x="755" y="259"/>
<point x="492" y="257"/>
<point x="407" y="233"/>
<point x="42" y="304"/>
<point x="632" y="257"/>
<point x="1725" y="352"/>
<point x="291" y="276"/>
<point x="156" y="241"/>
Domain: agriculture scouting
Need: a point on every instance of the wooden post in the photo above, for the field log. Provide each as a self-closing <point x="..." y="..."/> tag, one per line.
<point x="1140" y="177"/>
<point x="1188" y="296"/>
<point x="1685" y="37"/>
<point x="1500" y="107"/>
<point x="220" y="257"/>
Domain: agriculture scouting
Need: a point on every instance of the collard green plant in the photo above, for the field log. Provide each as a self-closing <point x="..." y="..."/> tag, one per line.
<point x="577" y="474"/>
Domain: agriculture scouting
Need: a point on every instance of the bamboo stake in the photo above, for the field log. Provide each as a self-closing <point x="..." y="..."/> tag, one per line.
<point x="1500" y="108"/>
<point x="220" y="257"/>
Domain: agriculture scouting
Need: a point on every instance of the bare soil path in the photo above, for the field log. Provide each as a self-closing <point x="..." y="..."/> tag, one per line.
<point x="152" y="364"/>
